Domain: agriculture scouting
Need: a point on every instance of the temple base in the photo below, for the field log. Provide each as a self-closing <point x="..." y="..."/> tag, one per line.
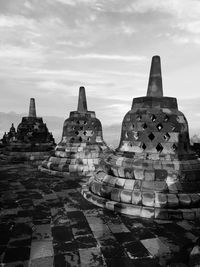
<point x="141" y="211"/>
<point x="21" y="156"/>
<point x="63" y="173"/>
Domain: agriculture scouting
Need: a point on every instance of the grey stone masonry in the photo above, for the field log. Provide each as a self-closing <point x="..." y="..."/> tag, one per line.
<point x="82" y="145"/>
<point x="154" y="172"/>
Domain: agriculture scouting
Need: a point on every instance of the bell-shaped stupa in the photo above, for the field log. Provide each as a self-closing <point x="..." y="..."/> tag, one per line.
<point x="81" y="146"/>
<point x="32" y="140"/>
<point x="153" y="173"/>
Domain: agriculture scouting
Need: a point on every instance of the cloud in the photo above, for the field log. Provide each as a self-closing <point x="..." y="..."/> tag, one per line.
<point x="15" y="21"/>
<point x="130" y="58"/>
<point x="9" y="51"/>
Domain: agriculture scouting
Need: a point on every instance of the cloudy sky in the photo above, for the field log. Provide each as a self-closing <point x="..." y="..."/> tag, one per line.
<point x="48" y="48"/>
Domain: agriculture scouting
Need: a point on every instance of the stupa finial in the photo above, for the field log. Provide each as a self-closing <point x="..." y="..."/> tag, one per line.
<point x="82" y="101"/>
<point x="32" y="109"/>
<point x="155" y="88"/>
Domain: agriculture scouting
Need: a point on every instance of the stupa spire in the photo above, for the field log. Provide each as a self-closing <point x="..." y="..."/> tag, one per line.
<point x="32" y="109"/>
<point x="82" y="101"/>
<point x="155" y="88"/>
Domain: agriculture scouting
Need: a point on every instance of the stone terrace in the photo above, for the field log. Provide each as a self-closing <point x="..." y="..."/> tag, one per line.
<point x="45" y="221"/>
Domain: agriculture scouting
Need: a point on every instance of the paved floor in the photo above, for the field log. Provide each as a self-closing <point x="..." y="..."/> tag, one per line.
<point x="45" y="221"/>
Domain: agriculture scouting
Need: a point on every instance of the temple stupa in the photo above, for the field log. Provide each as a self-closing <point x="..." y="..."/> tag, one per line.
<point x="32" y="140"/>
<point x="82" y="145"/>
<point x="154" y="173"/>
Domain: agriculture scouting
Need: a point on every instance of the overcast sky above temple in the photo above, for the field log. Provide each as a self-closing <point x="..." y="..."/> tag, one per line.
<point x="48" y="48"/>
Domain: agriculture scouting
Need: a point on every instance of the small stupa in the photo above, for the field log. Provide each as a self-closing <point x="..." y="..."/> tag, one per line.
<point x="32" y="140"/>
<point x="154" y="173"/>
<point x="82" y="145"/>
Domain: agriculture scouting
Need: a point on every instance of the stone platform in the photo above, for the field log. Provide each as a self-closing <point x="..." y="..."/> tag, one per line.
<point x="45" y="221"/>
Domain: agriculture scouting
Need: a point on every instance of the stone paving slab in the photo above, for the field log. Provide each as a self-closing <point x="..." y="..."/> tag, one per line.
<point x="45" y="221"/>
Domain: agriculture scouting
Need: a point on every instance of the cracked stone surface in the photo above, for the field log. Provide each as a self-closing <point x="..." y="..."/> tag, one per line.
<point x="45" y="221"/>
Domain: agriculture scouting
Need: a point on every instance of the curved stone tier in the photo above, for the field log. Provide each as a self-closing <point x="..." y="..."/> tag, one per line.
<point x="32" y="140"/>
<point x="82" y="144"/>
<point x="154" y="173"/>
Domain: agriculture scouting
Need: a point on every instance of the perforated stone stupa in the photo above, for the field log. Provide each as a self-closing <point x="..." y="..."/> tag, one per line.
<point x="31" y="141"/>
<point x="153" y="173"/>
<point x="82" y="143"/>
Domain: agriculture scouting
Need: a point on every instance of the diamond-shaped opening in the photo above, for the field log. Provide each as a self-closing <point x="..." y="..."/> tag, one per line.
<point x="89" y="139"/>
<point x="133" y="125"/>
<point x="81" y="128"/>
<point x="138" y="118"/>
<point x="144" y="126"/>
<point x="77" y="132"/>
<point x="78" y="122"/>
<point x="166" y="136"/>
<point x="143" y="146"/>
<point x="159" y="148"/>
<point x="80" y="139"/>
<point x="84" y="132"/>
<point x="135" y="135"/>
<point x="153" y="117"/>
<point x="85" y="122"/>
<point x="151" y="136"/>
<point x="174" y="147"/>
<point x="166" y="118"/>
<point x="159" y="127"/>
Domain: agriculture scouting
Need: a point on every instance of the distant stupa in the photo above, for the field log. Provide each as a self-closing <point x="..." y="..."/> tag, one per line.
<point x="31" y="141"/>
<point x="153" y="173"/>
<point x="82" y="145"/>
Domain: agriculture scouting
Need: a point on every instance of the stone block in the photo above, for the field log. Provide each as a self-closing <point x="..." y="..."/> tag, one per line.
<point x="148" y="199"/>
<point x="149" y="175"/>
<point x="160" y="174"/>
<point x="115" y="194"/>
<point x="197" y="212"/>
<point x="129" y="209"/>
<point x="126" y="196"/>
<point x="160" y="186"/>
<point x="160" y="200"/>
<point x="120" y="182"/>
<point x="139" y="174"/>
<point x="137" y="184"/>
<point x="175" y="214"/>
<point x="184" y="200"/>
<point x="100" y="175"/>
<point x="129" y="173"/>
<point x="110" y="205"/>
<point x="129" y="184"/>
<point x="195" y="198"/>
<point x="119" y="161"/>
<point x="115" y="171"/>
<point x="136" y="197"/>
<point x="161" y="214"/>
<point x="172" y="201"/>
<point x="188" y="214"/>
<point x="105" y="191"/>
<point x="147" y="212"/>
<point x="96" y="188"/>
<point x="121" y="172"/>
<point x="72" y="168"/>
<point x="157" y="165"/>
<point x="108" y="179"/>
